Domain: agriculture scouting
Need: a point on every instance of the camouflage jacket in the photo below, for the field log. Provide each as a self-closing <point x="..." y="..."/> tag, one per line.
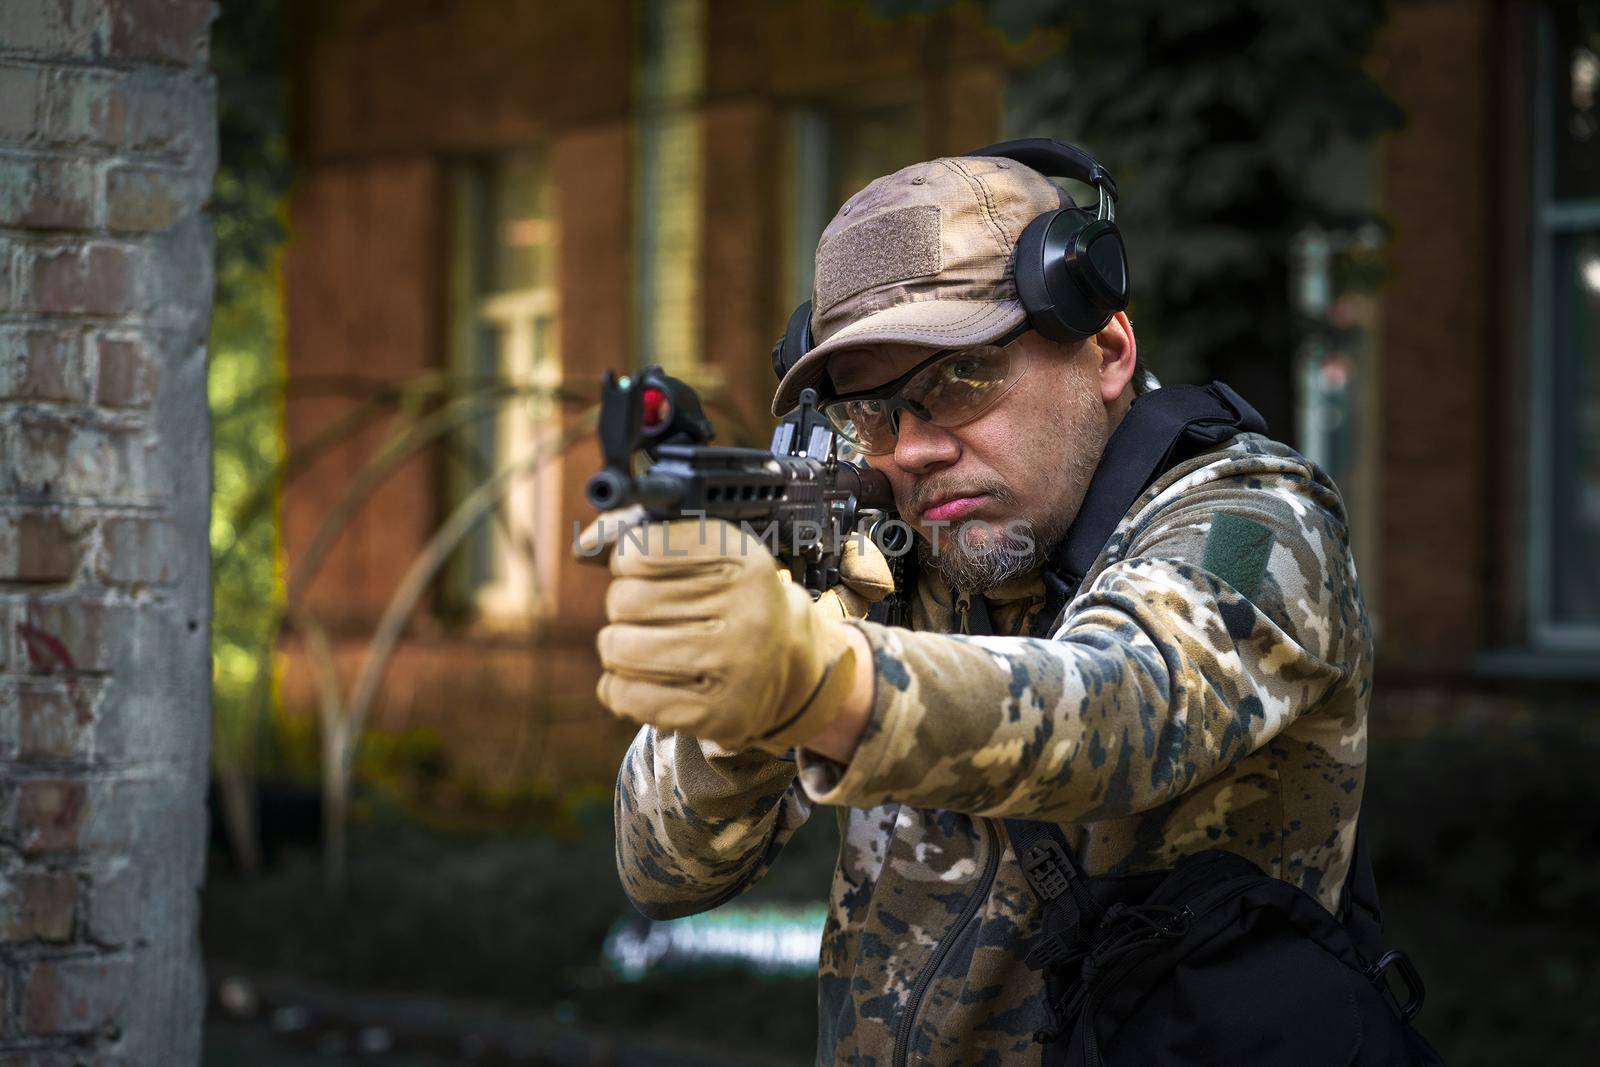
<point x="1207" y="687"/>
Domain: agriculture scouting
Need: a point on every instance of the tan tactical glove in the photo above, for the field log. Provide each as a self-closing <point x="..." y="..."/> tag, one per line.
<point x="864" y="579"/>
<point x="709" y="636"/>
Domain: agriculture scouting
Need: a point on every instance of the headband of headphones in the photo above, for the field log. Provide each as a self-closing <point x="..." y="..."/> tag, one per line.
<point x="1071" y="265"/>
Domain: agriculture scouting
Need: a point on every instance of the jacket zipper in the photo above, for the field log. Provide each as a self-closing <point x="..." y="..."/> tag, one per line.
<point x="980" y="893"/>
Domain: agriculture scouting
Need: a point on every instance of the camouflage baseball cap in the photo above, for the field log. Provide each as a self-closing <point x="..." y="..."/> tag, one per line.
<point x="922" y="257"/>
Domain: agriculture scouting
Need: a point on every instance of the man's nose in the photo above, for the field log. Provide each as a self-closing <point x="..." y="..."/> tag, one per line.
<point x="921" y="446"/>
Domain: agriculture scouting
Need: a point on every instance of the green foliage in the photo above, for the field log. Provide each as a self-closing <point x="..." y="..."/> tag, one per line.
<point x="253" y="167"/>
<point x="245" y="377"/>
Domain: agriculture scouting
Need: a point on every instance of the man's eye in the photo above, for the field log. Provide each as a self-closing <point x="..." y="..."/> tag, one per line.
<point x="871" y="407"/>
<point x="966" y="367"/>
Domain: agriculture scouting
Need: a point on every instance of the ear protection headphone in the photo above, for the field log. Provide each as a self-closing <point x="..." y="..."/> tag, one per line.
<point x="1071" y="266"/>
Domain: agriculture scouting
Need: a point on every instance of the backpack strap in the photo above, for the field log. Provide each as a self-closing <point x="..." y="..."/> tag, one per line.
<point x="1058" y="880"/>
<point x="1358" y="908"/>
<point x="1161" y="428"/>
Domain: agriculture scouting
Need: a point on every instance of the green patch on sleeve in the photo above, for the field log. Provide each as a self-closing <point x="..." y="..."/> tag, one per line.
<point x="1237" y="550"/>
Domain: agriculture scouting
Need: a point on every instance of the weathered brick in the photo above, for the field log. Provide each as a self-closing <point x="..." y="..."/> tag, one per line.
<point x="46" y="194"/>
<point x="132" y="727"/>
<point x="116" y="906"/>
<point x="20" y="93"/>
<point x="9" y="727"/>
<point x="54" y="722"/>
<point x="35" y="546"/>
<point x="136" y="816"/>
<point x="127" y="374"/>
<point x="136" y="551"/>
<point x="51" y="28"/>
<point x="8" y="255"/>
<point x="107" y="128"/>
<point x="79" y="996"/>
<point x="49" y="814"/>
<point x="38" y="906"/>
<point x="148" y="110"/>
<point x="163" y="112"/>
<point x="43" y="363"/>
<point x="83" y="107"/>
<point x="38" y="454"/>
<point x="121" y="817"/>
<point x="90" y="280"/>
<point x="166" y="31"/>
<point x="141" y="199"/>
<point x="71" y="637"/>
<point x="62" y="456"/>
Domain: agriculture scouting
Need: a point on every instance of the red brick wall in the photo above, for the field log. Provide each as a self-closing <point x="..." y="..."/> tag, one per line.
<point x="1438" y="419"/>
<point x="795" y="49"/>
<point x="741" y="265"/>
<point x="592" y="172"/>
<point x="415" y="75"/>
<point x="363" y="273"/>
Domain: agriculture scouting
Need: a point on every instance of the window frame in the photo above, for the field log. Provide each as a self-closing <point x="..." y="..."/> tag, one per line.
<point x="489" y="583"/>
<point x="1550" y="219"/>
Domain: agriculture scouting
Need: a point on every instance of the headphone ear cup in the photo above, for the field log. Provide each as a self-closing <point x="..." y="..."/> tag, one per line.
<point x="1030" y="276"/>
<point x="1097" y="261"/>
<point x="795" y="343"/>
<point x="1071" y="271"/>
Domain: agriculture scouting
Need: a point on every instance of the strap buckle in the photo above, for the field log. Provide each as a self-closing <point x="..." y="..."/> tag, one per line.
<point x="1048" y="870"/>
<point x="1378" y="975"/>
<point x="1049" y="952"/>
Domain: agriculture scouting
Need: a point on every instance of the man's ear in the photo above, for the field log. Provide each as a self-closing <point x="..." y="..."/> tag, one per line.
<point x="1118" y="354"/>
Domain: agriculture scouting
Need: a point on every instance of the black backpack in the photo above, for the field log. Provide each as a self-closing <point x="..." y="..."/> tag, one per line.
<point x="1214" y="961"/>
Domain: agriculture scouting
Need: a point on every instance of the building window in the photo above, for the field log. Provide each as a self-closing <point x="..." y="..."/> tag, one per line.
<point x="503" y="354"/>
<point x="836" y="150"/>
<point x="1564" y="476"/>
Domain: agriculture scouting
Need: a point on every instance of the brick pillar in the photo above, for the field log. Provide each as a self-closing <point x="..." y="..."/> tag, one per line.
<point x="1437" y="333"/>
<point x="107" y="147"/>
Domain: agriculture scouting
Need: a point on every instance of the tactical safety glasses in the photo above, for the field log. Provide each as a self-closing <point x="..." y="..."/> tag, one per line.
<point x="949" y="388"/>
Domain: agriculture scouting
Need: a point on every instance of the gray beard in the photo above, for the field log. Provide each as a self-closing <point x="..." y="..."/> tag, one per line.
<point x="978" y="568"/>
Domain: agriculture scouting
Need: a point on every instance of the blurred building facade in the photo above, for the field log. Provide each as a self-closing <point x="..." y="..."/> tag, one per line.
<point x="535" y="193"/>
<point x="1487" y="401"/>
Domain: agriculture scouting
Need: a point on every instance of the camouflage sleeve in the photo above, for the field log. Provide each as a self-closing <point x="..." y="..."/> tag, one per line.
<point x="1161" y="675"/>
<point x="697" y="824"/>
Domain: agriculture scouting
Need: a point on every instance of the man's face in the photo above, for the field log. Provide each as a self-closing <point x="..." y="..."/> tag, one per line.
<point x="1022" y="466"/>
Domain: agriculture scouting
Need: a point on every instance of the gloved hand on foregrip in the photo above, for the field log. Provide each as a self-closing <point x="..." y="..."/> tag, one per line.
<point x="864" y="579"/>
<point x="708" y="636"/>
<point x="864" y="575"/>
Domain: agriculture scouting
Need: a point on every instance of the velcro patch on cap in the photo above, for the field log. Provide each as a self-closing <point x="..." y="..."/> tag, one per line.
<point x="895" y="246"/>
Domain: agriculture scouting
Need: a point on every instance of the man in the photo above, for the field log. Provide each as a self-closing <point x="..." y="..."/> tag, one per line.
<point x="1206" y="687"/>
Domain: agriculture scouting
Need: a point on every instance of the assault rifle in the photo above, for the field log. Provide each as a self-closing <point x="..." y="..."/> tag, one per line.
<point x="799" y="498"/>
